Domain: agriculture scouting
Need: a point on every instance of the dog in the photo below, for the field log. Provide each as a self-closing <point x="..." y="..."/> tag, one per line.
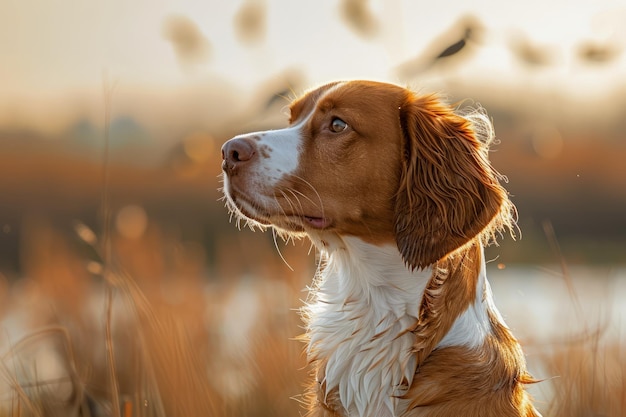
<point x="396" y="191"/>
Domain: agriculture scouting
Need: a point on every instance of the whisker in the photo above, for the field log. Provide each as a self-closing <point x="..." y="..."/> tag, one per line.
<point x="288" y="202"/>
<point x="296" y="210"/>
<point x="305" y="196"/>
<point x="319" y="198"/>
<point x="274" y="233"/>
<point x="293" y="192"/>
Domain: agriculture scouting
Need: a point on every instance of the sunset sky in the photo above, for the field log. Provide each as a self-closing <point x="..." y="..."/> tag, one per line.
<point x="55" y="49"/>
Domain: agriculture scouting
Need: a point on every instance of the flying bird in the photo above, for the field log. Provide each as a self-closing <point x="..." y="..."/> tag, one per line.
<point x="452" y="47"/>
<point x="457" y="46"/>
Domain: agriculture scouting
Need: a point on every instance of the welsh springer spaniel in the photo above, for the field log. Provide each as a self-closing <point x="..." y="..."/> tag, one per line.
<point x="397" y="193"/>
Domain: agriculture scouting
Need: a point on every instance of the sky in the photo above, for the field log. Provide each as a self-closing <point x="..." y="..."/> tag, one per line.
<point x="52" y="50"/>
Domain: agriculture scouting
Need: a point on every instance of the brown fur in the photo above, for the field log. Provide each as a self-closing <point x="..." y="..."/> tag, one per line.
<point x="448" y="191"/>
<point x="488" y="381"/>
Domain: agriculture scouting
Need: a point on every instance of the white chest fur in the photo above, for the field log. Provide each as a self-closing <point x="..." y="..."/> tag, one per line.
<point x="363" y="305"/>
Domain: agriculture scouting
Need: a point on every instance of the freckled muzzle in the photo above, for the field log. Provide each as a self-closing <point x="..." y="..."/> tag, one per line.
<point x="258" y="184"/>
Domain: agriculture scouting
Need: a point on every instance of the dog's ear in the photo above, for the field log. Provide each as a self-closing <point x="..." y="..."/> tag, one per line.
<point x="448" y="192"/>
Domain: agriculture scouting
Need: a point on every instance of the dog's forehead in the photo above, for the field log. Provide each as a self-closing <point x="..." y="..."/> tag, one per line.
<point x="356" y="94"/>
<point x="307" y="101"/>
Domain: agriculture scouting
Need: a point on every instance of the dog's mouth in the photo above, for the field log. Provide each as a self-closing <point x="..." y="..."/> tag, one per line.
<point x="269" y="213"/>
<point x="317" y="222"/>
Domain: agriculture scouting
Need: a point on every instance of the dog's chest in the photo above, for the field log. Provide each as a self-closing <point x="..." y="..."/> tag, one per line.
<point x="359" y="328"/>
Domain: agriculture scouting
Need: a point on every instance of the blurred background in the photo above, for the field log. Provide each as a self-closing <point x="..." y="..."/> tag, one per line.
<point x="112" y="115"/>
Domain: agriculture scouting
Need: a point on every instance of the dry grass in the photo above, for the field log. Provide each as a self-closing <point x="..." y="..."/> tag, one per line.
<point x="591" y="378"/>
<point x="186" y="345"/>
<point x="173" y="350"/>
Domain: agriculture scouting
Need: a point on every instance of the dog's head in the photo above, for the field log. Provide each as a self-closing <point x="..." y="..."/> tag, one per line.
<point x="375" y="161"/>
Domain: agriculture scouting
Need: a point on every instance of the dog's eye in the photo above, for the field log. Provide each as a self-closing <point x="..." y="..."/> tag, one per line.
<point x="337" y="125"/>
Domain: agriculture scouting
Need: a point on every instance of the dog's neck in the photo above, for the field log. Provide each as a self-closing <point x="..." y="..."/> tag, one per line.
<point x="359" y="326"/>
<point x="364" y="325"/>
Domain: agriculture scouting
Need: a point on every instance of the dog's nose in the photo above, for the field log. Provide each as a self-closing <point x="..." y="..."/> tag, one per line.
<point x="237" y="151"/>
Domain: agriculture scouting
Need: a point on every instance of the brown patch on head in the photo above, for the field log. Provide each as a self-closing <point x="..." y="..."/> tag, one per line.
<point x="405" y="168"/>
<point x="351" y="176"/>
<point x="448" y="192"/>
